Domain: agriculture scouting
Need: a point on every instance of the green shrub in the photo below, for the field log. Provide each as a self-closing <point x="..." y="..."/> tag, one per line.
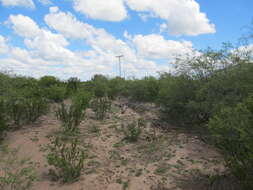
<point x="101" y="106"/>
<point x="5" y="84"/>
<point x="17" y="107"/>
<point x="116" y="87"/>
<point x="101" y="89"/>
<point x="204" y="85"/>
<point x="16" y="174"/>
<point x="48" y="81"/>
<point x="52" y="88"/>
<point x="82" y="99"/>
<point x="67" y="159"/>
<point x="3" y="118"/>
<point x="55" y="93"/>
<point x="34" y="108"/>
<point x="101" y="103"/>
<point x="70" y="117"/>
<point x="176" y="92"/>
<point x="26" y="110"/>
<point x="132" y="132"/>
<point x="144" y="90"/>
<point x="73" y="84"/>
<point x="233" y="132"/>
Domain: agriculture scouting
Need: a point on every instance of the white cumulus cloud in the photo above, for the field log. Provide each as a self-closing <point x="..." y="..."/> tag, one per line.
<point x="137" y="50"/>
<point x="21" y="3"/>
<point x="181" y="16"/>
<point x="110" y="10"/>
<point x="3" y="46"/>
<point x="23" y="25"/>
<point x="157" y="47"/>
<point x="48" y="52"/>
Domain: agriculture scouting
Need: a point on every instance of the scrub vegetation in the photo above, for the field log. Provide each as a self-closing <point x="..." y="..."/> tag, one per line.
<point x="192" y="125"/>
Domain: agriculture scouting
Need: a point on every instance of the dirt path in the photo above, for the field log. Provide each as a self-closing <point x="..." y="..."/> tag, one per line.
<point x="157" y="158"/>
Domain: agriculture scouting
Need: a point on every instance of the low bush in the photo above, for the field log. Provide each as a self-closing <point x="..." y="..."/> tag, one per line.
<point x="116" y="86"/>
<point x="55" y="93"/>
<point x="144" y="90"/>
<point x="101" y="106"/>
<point x="73" y="84"/>
<point x="16" y="174"/>
<point x="34" y="108"/>
<point x="176" y="92"/>
<point x="52" y="88"/>
<point x="82" y="98"/>
<point x="17" y="107"/>
<point x="70" y="117"/>
<point x="26" y="110"/>
<point x="3" y="117"/>
<point x="48" y="81"/>
<point x="132" y="132"/>
<point x="232" y="129"/>
<point x="67" y="160"/>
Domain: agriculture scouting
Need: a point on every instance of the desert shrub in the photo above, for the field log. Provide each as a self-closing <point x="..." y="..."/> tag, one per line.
<point x="34" y="108"/>
<point x="16" y="174"/>
<point x="16" y="110"/>
<point x="101" y="106"/>
<point x="116" y="86"/>
<point x="23" y="82"/>
<point x="55" y="93"/>
<point x="174" y="96"/>
<point x="67" y="160"/>
<point x="225" y="87"/>
<point x="5" y="84"/>
<point x="233" y="132"/>
<point x="26" y="110"/>
<point x="204" y="85"/>
<point x="132" y="131"/>
<point x="99" y="78"/>
<point x="53" y="89"/>
<point x="25" y="103"/>
<point x="82" y="98"/>
<point x="144" y="90"/>
<point x="100" y="89"/>
<point x="70" y="117"/>
<point x="48" y="81"/>
<point x="101" y="103"/>
<point x="3" y="117"/>
<point x="73" y="84"/>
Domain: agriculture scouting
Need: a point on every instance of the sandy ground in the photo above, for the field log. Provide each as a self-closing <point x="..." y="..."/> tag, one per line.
<point x="155" y="162"/>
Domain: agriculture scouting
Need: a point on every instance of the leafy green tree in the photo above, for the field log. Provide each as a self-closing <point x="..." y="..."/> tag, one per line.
<point x="73" y="84"/>
<point x="144" y="90"/>
<point x="49" y="81"/>
<point x="116" y="87"/>
<point x="232" y="129"/>
<point x="174" y="96"/>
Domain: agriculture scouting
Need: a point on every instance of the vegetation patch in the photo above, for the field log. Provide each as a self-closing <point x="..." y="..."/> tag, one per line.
<point x="67" y="160"/>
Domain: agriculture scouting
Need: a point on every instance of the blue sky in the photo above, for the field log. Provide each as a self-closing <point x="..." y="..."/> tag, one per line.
<point x="82" y="37"/>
